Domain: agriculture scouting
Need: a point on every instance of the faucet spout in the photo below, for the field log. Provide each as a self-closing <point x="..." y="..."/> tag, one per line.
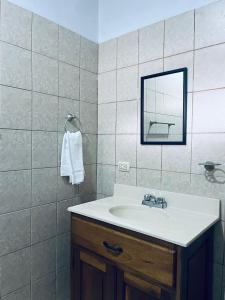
<point x="153" y="201"/>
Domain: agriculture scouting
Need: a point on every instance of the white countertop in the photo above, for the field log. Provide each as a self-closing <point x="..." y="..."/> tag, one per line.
<point x="185" y="218"/>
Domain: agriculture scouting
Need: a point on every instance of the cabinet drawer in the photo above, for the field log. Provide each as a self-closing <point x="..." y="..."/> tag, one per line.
<point x="129" y="253"/>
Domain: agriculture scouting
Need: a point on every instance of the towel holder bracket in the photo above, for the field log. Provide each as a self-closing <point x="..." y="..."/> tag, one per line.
<point x="69" y="118"/>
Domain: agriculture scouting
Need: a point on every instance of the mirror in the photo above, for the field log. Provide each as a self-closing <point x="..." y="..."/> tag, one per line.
<point x="164" y="108"/>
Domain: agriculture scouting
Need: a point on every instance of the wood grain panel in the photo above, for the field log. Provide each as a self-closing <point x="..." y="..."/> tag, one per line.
<point x="92" y="283"/>
<point x="142" y="285"/>
<point x="93" y="261"/>
<point x="154" y="261"/>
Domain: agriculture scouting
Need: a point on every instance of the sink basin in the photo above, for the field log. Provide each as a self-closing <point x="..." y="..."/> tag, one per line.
<point x="185" y="218"/>
<point x="144" y="213"/>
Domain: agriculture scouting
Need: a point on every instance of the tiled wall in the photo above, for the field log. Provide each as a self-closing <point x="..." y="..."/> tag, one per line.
<point x="46" y="71"/>
<point x="195" y="40"/>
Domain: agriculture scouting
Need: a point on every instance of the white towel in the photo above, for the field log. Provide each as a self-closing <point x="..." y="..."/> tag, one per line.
<point x="72" y="157"/>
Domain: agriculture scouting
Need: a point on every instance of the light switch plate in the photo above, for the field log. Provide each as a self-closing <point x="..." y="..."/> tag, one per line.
<point x="124" y="166"/>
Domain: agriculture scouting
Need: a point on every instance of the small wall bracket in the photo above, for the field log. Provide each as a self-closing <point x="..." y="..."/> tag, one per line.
<point x="209" y="165"/>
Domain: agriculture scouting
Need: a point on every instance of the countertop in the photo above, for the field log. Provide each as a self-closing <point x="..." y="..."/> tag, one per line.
<point x="183" y="221"/>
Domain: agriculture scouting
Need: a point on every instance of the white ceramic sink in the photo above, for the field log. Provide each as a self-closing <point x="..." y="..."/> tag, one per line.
<point x="184" y="219"/>
<point x="147" y="216"/>
<point x="135" y="212"/>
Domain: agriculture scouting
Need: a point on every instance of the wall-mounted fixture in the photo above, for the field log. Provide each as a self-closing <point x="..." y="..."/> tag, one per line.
<point x="70" y="118"/>
<point x="164" y="108"/>
<point x="209" y="165"/>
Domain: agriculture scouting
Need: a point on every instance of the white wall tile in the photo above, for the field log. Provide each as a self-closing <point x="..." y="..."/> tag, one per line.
<point x="126" y="117"/>
<point x="179" y="34"/>
<point x="44" y="36"/>
<point x="45" y="74"/>
<point x="44" y="112"/>
<point x="15" y="270"/>
<point x="148" y="178"/>
<point x="90" y="148"/>
<point x="107" y="118"/>
<point x="106" y="149"/>
<point x="176" y="182"/>
<point x="89" y="55"/>
<point x="69" y="46"/>
<point x="89" y="186"/>
<point x="15" y="151"/>
<point x="151" y="42"/>
<point x="148" y="156"/>
<point x="127" y="83"/>
<point x="209" y="111"/>
<point x="69" y="81"/>
<point x="107" y="87"/>
<point x="44" y="149"/>
<point x="128" y="178"/>
<point x="209" y="24"/>
<point x="202" y="187"/>
<point x="177" y="158"/>
<point x="126" y="149"/>
<point x="15" y="190"/>
<point x="207" y="147"/>
<point x="106" y="179"/>
<point x="127" y="54"/>
<point x="210" y="68"/>
<point x="88" y="86"/>
<point x="107" y="56"/>
<point x="15" y="108"/>
<point x="15" y="66"/>
<point x="88" y="117"/>
<point x="15" y="25"/>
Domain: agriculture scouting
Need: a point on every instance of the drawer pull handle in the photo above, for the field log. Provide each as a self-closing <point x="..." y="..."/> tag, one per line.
<point x="113" y="249"/>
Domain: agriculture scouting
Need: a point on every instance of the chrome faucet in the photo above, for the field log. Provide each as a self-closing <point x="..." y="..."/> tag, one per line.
<point x="153" y="201"/>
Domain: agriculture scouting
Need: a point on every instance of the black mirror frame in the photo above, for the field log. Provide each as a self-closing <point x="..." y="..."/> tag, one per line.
<point x="185" y="84"/>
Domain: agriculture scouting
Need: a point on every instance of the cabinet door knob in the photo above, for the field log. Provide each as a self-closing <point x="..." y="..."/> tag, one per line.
<point x="113" y="249"/>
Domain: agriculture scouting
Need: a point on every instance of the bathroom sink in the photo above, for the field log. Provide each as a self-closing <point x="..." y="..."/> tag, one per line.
<point x="142" y="213"/>
<point x="184" y="219"/>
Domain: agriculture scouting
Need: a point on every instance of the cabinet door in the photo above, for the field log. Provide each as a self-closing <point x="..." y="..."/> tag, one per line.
<point x="131" y="287"/>
<point x="92" y="278"/>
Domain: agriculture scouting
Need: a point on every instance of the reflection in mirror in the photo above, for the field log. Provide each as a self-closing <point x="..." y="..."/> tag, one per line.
<point x="163" y="107"/>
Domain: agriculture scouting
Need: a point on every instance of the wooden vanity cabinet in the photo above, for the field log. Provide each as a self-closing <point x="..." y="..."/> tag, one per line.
<point x="92" y="277"/>
<point x="111" y="263"/>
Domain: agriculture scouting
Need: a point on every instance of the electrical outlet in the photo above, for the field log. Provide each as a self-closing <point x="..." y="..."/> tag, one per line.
<point x="124" y="166"/>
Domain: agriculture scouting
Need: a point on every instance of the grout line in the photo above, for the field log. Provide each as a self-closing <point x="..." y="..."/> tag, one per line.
<point x="34" y="244"/>
<point x="79" y="186"/>
<point x="54" y="95"/>
<point x="48" y="56"/>
<point x="138" y="108"/>
<point x="57" y="150"/>
<point x="41" y="131"/>
<point x="192" y="98"/>
<point x="21" y="170"/>
<point x="32" y="19"/>
<point x="17" y="290"/>
<point x="164" y="41"/>
<point x="98" y="44"/>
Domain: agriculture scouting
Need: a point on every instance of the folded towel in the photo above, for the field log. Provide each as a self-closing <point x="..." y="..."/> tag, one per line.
<point x="72" y="157"/>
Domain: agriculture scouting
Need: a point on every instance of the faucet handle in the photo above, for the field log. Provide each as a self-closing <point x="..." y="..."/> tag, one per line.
<point x="146" y="197"/>
<point x="161" y="200"/>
